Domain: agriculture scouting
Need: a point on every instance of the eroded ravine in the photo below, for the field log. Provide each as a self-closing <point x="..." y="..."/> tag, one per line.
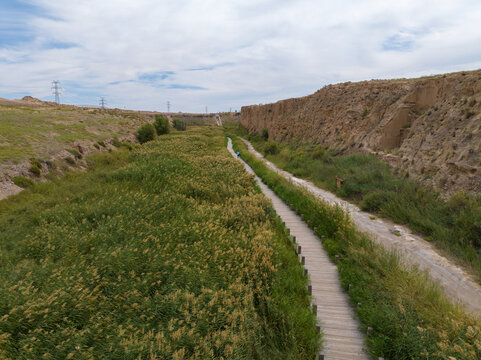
<point x="458" y="285"/>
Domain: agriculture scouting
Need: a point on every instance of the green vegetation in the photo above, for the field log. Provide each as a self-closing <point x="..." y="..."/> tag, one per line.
<point x="265" y="134"/>
<point x="70" y="160"/>
<point x="161" y="124"/>
<point x="167" y="251"/>
<point x="35" y="167"/>
<point x="145" y="133"/>
<point x="38" y="131"/>
<point x="454" y="226"/>
<point x="75" y="153"/>
<point x="23" y="182"/>
<point x="271" y="148"/>
<point x="116" y="141"/>
<point x="180" y="125"/>
<point x="409" y="317"/>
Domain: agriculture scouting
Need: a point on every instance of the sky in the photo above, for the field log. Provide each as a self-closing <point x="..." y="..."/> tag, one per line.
<point x="221" y="55"/>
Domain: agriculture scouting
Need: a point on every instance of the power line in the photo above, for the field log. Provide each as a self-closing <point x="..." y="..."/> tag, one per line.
<point x="102" y="102"/>
<point x="56" y="90"/>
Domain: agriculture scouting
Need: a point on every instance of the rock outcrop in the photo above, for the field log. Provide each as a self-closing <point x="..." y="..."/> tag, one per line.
<point x="427" y="128"/>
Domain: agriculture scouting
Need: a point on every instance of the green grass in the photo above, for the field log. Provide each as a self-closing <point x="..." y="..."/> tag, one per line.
<point x="167" y="251"/>
<point x="409" y="316"/>
<point x="454" y="226"/>
<point x="27" y="132"/>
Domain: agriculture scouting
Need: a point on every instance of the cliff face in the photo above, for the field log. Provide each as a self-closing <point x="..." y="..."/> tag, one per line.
<point x="427" y="128"/>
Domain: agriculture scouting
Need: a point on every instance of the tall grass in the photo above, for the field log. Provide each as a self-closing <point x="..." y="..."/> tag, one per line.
<point x="164" y="252"/>
<point x="410" y="318"/>
<point x="454" y="226"/>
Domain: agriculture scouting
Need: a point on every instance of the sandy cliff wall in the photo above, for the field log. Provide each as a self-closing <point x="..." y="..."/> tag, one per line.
<point x="427" y="128"/>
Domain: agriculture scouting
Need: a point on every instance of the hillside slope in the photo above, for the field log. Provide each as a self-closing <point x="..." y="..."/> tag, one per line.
<point x="427" y="128"/>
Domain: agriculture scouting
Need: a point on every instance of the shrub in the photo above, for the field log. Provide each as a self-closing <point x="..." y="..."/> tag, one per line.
<point x="75" y="153"/>
<point x="23" y="182"/>
<point x="127" y="145"/>
<point x="145" y="133"/>
<point x="161" y="125"/>
<point x="375" y="201"/>
<point x="365" y="113"/>
<point x="180" y="125"/>
<point x="101" y="143"/>
<point x="319" y="153"/>
<point x="35" y="167"/>
<point x="70" y="160"/>
<point x="116" y="142"/>
<point x="271" y="148"/>
<point x="265" y="134"/>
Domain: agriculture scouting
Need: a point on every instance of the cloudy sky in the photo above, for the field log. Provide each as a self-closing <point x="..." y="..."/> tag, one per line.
<point x="139" y="54"/>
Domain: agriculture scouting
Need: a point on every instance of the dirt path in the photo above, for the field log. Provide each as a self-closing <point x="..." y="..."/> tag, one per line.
<point x="458" y="285"/>
<point x="342" y="339"/>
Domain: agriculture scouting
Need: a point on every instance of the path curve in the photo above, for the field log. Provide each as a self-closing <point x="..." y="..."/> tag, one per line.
<point x="457" y="284"/>
<point x="342" y="338"/>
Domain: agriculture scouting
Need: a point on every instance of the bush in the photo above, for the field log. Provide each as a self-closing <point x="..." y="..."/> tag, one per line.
<point x="23" y="182"/>
<point x="375" y="201"/>
<point x="265" y="134"/>
<point x="145" y="133"/>
<point x="70" y="160"/>
<point x="271" y="148"/>
<point x="161" y="125"/>
<point x="127" y="145"/>
<point x="116" y="142"/>
<point x="75" y="153"/>
<point x="101" y="143"/>
<point x="35" y="167"/>
<point x="180" y="125"/>
<point x="319" y="153"/>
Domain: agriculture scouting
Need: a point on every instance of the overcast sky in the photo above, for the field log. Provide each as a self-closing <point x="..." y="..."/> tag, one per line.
<point x="139" y="54"/>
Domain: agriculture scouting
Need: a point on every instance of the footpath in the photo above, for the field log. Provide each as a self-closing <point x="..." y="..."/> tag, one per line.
<point x="342" y="338"/>
<point x="457" y="284"/>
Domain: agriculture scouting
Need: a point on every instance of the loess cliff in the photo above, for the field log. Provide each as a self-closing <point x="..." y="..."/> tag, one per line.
<point x="428" y="128"/>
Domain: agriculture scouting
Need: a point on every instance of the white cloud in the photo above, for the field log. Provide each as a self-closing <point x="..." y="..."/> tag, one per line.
<point x="248" y="51"/>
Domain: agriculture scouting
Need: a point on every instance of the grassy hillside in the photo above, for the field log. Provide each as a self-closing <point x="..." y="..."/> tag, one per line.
<point x="164" y="252"/>
<point x="454" y="226"/>
<point x="404" y="315"/>
<point x="29" y="131"/>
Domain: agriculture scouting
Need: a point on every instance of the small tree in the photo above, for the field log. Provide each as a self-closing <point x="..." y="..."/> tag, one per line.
<point x="161" y="124"/>
<point x="145" y="133"/>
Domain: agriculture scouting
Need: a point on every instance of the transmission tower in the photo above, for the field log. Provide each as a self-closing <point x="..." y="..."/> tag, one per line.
<point x="168" y="106"/>
<point x="56" y="90"/>
<point x="102" y="102"/>
<point x="206" y="109"/>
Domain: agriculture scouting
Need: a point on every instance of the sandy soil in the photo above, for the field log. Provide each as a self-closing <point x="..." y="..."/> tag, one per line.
<point x="458" y="285"/>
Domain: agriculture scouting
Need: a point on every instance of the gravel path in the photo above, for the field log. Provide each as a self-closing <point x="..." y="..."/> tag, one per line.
<point x="458" y="285"/>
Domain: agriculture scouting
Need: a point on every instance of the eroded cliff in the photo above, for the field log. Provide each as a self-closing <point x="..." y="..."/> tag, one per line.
<point x="427" y="128"/>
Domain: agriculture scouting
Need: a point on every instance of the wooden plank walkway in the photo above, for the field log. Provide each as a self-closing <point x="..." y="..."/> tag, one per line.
<point x="458" y="285"/>
<point x="342" y="338"/>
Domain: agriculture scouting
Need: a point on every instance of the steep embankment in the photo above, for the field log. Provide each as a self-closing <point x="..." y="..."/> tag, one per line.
<point x="428" y="128"/>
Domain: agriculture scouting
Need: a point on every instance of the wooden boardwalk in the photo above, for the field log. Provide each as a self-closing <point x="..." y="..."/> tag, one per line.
<point x="342" y="339"/>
